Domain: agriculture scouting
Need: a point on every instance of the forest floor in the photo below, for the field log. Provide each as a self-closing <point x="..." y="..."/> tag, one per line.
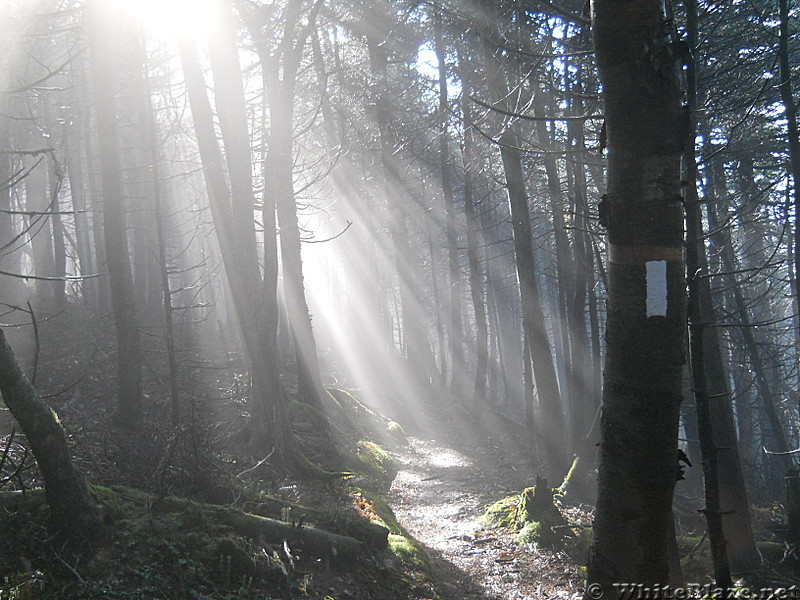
<point x="427" y="476"/>
<point x="445" y="483"/>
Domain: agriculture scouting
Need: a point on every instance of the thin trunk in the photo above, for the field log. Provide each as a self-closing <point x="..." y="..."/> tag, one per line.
<point x="279" y="76"/>
<point x="581" y="401"/>
<point x="475" y="274"/>
<point x="55" y="177"/>
<point x="456" y="337"/>
<point x="78" y="193"/>
<point x="544" y="372"/>
<point x="235" y="230"/>
<point x="412" y="320"/>
<point x="39" y="222"/>
<point x="727" y="510"/>
<point x="153" y="167"/>
<point x="129" y="410"/>
<point x="564" y="257"/>
<point x="790" y="114"/>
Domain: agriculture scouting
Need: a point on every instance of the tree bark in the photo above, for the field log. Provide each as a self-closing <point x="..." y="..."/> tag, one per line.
<point x="645" y="342"/>
<point x="793" y="137"/>
<point x="727" y="510"/>
<point x="543" y="367"/>
<point x="73" y="514"/>
<point x="233" y="220"/>
<point x="476" y="284"/>
<point x="129" y="411"/>
<point x="280" y="68"/>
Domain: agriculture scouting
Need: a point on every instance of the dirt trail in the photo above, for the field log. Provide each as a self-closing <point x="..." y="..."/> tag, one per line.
<point x="445" y="482"/>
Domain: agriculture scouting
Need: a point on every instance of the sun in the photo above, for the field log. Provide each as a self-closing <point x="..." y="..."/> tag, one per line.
<point x="193" y="19"/>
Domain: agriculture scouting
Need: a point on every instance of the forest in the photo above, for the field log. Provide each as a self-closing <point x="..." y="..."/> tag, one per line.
<point x="390" y="299"/>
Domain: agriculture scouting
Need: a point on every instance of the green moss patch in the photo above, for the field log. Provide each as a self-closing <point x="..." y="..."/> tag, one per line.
<point x="532" y="513"/>
<point x="409" y="552"/>
<point x="377" y="462"/>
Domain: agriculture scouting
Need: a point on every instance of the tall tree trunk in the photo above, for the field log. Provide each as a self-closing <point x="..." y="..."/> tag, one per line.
<point x="129" y="411"/>
<point x="642" y="387"/>
<point x="233" y="220"/>
<point x="456" y="337"/>
<point x="544" y="372"/>
<point x="56" y="179"/>
<point x="280" y="69"/>
<point x="727" y="510"/>
<point x="475" y="273"/>
<point x="793" y="137"/>
<point x="78" y="192"/>
<point x="152" y="167"/>
<point x="39" y="224"/>
<point x="764" y="390"/>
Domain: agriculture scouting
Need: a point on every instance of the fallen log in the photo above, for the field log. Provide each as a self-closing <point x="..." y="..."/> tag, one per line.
<point x="362" y="529"/>
<point x="312" y="540"/>
<point x="316" y="542"/>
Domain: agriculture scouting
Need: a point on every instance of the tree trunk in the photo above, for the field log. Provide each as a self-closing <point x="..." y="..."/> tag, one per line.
<point x="727" y="510"/>
<point x="236" y="235"/>
<point x="793" y="137"/>
<point x="129" y="410"/>
<point x="73" y="514"/>
<point x="642" y="388"/>
<point x="544" y="372"/>
<point x="475" y="273"/>
<point x="456" y="337"/>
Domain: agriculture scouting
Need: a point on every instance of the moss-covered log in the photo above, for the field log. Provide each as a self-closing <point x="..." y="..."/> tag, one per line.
<point x="312" y="540"/>
<point x="372" y="534"/>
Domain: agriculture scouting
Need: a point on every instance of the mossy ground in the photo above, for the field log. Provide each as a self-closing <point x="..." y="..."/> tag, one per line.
<point x="159" y="547"/>
<point x="538" y="519"/>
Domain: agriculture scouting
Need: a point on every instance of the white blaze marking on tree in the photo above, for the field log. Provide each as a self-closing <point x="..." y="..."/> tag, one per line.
<point x="656" y="288"/>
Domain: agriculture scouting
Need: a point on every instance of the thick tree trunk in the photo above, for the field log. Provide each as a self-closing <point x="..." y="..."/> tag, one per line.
<point x="646" y="306"/>
<point x="280" y="66"/>
<point x="73" y="514"/>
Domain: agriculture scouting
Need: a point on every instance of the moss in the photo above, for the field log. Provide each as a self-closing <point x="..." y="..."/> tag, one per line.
<point x="505" y="513"/>
<point x="532" y="513"/>
<point x="372" y="454"/>
<point x="377" y="464"/>
<point x="536" y="532"/>
<point x="113" y="503"/>
<point x="409" y="552"/>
